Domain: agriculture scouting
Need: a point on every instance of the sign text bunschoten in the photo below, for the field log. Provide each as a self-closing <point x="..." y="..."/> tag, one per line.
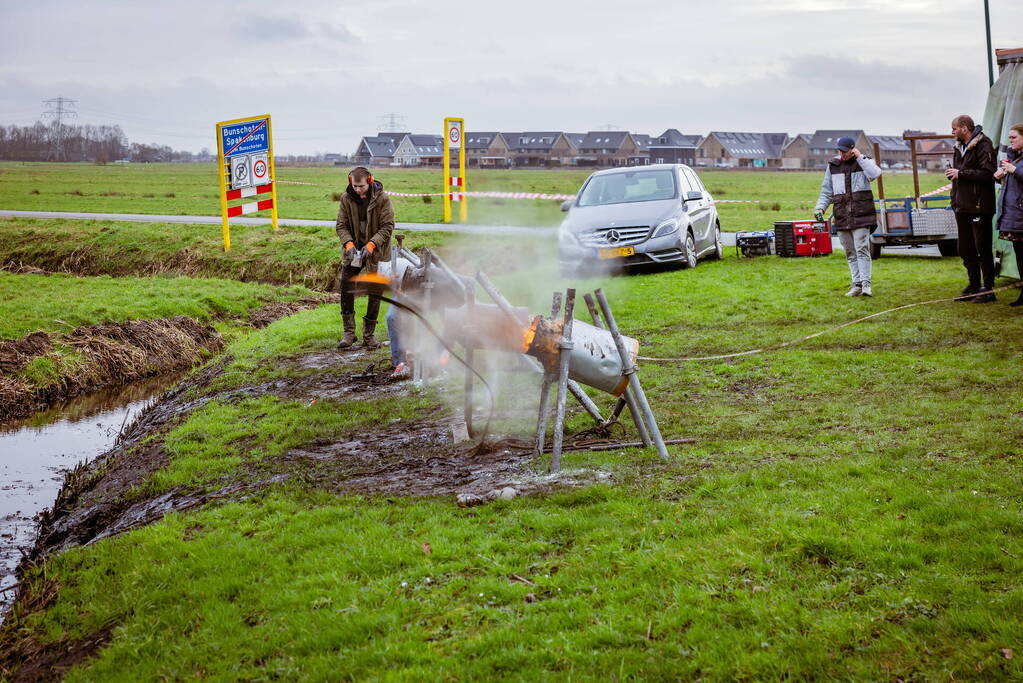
<point x="255" y="142"/>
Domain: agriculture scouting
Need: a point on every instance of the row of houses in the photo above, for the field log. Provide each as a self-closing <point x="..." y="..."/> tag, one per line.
<point x="601" y="149"/>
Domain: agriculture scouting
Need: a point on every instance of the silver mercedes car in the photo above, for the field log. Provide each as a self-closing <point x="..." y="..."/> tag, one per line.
<point x="639" y="216"/>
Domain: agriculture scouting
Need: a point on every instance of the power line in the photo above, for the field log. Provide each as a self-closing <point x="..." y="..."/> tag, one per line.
<point x="58" y="111"/>
<point x="392" y="123"/>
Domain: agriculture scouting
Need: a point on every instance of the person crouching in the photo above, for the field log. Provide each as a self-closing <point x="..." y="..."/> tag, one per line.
<point x="365" y="221"/>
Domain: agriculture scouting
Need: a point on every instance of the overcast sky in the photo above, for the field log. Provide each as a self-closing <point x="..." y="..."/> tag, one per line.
<point x="328" y="71"/>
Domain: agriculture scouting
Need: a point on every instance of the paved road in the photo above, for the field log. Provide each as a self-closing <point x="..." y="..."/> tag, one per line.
<point x="728" y="238"/>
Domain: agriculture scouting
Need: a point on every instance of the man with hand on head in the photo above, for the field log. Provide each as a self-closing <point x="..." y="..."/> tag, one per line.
<point x="973" y="201"/>
<point x="365" y="221"/>
<point x="847" y="186"/>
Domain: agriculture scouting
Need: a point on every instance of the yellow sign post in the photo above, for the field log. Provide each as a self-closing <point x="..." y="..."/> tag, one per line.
<point x="245" y="167"/>
<point x="454" y="130"/>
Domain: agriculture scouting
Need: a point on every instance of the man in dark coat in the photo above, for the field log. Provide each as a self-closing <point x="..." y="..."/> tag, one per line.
<point x="973" y="200"/>
<point x="365" y="221"/>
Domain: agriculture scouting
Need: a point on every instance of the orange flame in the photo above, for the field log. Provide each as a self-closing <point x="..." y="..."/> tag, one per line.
<point x="529" y="334"/>
<point x="373" y="279"/>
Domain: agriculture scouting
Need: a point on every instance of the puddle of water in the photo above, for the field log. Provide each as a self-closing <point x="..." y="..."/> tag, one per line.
<point x="35" y="452"/>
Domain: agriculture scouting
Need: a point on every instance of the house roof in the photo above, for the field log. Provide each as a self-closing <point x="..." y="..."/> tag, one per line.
<point x="752" y="145"/>
<point x="479" y="140"/>
<point x="642" y="142"/>
<point x="534" y="140"/>
<point x="890" y="143"/>
<point x="805" y="137"/>
<point x="427" y="144"/>
<point x="935" y="146"/>
<point x="604" y="139"/>
<point x="379" y="146"/>
<point x="828" y="139"/>
<point x="673" y="138"/>
<point x="575" y="139"/>
<point x="393" y="137"/>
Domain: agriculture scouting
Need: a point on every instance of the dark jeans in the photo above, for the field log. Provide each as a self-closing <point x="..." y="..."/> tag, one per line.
<point x="348" y="299"/>
<point x="975" y="239"/>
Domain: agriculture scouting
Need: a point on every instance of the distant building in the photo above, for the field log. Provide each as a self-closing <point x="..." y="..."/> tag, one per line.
<point x="377" y="150"/>
<point x="796" y="154"/>
<point x="895" y="152"/>
<point x="944" y="147"/>
<point x="486" y="150"/>
<point x="672" y="147"/>
<point x="608" y="149"/>
<point x="742" y="150"/>
<point x="539" y="149"/>
<point x="824" y="145"/>
<point x="642" y="155"/>
<point x="420" y="150"/>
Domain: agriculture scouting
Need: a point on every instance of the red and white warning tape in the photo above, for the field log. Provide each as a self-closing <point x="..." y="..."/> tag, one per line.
<point x="943" y="188"/>
<point x="456" y="181"/>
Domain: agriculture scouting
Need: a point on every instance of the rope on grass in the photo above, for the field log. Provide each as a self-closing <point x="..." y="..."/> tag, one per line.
<point x="792" y="342"/>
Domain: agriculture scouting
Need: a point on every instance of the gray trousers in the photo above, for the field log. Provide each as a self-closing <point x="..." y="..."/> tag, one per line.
<point x="856" y="244"/>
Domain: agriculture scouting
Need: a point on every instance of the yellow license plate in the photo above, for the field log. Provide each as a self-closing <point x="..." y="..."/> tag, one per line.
<point x="619" y="252"/>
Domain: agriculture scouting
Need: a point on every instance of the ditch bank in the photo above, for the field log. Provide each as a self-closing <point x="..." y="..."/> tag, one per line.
<point x="42" y="368"/>
<point x="83" y="255"/>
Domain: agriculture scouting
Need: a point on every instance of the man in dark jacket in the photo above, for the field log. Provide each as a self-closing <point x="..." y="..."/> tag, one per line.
<point x="973" y="200"/>
<point x="365" y="221"/>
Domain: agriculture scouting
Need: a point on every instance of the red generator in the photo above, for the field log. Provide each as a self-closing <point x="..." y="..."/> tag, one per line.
<point x="802" y="238"/>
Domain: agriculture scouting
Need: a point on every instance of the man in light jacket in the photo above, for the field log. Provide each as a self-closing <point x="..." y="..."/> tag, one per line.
<point x="847" y="186"/>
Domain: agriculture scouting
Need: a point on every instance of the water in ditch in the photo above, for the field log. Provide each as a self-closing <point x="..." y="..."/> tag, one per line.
<point x="35" y="452"/>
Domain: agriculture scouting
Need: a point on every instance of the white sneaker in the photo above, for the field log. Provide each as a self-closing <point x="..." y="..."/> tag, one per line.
<point x="855" y="291"/>
<point x="866" y="290"/>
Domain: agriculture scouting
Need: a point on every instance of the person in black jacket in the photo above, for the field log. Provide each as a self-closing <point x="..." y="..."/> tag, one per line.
<point x="973" y="200"/>
<point x="1010" y="214"/>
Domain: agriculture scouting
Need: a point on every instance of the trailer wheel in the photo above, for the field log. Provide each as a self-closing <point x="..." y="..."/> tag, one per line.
<point x="948" y="247"/>
<point x="875" y="251"/>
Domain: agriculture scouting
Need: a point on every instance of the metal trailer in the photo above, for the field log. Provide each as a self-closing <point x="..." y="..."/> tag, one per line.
<point x="917" y="220"/>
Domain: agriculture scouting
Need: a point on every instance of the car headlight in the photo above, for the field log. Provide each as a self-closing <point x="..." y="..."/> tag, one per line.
<point x="666" y="228"/>
<point x="566" y="236"/>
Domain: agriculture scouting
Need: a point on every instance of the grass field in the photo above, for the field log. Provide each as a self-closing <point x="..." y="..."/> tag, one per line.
<point x="59" y="303"/>
<point x="851" y="508"/>
<point x="191" y="189"/>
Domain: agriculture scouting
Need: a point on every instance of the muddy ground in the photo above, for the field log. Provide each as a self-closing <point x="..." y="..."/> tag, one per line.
<point x="407" y="458"/>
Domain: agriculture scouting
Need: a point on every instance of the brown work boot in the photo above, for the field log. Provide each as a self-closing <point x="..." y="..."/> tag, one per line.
<point x="368" y="341"/>
<point x="348" y="340"/>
